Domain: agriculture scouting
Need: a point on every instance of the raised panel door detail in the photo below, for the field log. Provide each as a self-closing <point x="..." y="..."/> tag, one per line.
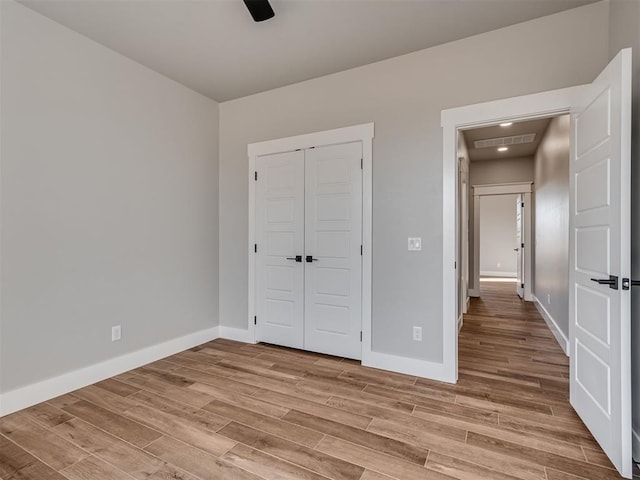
<point x="590" y="191"/>
<point x="333" y="236"/>
<point x="594" y="376"/>
<point x="592" y="250"/>
<point x="599" y="222"/>
<point x="593" y="125"/>
<point x="593" y="313"/>
<point x="279" y="236"/>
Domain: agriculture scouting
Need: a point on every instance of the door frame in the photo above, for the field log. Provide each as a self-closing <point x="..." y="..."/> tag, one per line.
<point x="526" y="190"/>
<point x="527" y="107"/>
<point x="357" y="133"/>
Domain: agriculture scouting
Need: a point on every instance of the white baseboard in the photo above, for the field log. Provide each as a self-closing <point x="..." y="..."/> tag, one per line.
<point x="489" y="273"/>
<point x="35" y="393"/>
<point x="237" y="334"/>
<point x="460" y="322"/>
<point x="408" y="366"/>
<point x="474" y="292"/>
<point x="635" y="440"/>
<point x="561" y="338"/>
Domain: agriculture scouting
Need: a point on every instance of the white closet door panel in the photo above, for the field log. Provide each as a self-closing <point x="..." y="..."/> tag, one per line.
<point x="333" y="238"/>
<point x="280" y="237"/>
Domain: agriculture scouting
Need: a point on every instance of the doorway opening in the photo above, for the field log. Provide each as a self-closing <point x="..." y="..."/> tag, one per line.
<point x="518" y="225"/>
<point x="599" y="242"/>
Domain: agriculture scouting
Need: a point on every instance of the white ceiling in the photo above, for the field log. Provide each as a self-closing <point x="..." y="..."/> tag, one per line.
<point x="538" y="126"/>
<point x="214" y="47"/>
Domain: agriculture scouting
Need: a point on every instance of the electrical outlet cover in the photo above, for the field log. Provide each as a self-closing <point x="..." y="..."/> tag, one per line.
<point x="415" y="244"/>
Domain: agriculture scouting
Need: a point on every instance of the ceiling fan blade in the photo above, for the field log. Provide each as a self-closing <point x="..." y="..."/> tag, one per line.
<point x="260" y="10"/>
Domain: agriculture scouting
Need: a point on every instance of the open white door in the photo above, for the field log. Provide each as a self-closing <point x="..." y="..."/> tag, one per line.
<point x="518" y="249"/>
<point x="599" y="306"/>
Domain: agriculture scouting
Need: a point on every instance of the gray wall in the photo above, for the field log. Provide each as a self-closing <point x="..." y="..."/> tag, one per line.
<point x="498" y="235"/>
<point x="404" y="97"/>
<point x="109" y="203"/>
<point x="624" y="31"/>
<point x="488" y="172"/>
<point x="551" y="245"/>
<point x="501" y="170"/>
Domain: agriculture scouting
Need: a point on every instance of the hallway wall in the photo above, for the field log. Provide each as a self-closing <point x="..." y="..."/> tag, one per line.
<point x="551" y="220"/>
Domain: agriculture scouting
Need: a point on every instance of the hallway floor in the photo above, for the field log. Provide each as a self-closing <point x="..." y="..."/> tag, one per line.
<point x="227" y="410"/>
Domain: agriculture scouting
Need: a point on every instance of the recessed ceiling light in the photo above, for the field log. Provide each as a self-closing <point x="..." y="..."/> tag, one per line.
<point x="503" y="149"/>
<point x="506" y="124"/>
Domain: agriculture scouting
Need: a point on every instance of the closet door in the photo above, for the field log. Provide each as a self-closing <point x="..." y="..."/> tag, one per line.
<point x="280" y="238"/>
<point x="333" y="260"/>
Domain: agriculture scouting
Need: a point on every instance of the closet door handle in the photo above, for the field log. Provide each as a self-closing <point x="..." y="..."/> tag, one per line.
<point x="311" y="259"/>
<point x="297" y="258"/>
<point x="612" y="281"/>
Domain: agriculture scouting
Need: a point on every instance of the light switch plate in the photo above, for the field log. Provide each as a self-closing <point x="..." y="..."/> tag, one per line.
<point x="415" y="244"/>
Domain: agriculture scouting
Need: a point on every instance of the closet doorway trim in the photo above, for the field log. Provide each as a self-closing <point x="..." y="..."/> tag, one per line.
<point x="357" y="133"/>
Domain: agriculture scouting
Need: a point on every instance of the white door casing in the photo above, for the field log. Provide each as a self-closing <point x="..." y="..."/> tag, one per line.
<point x="362" y="133"/>
<point x="518" y="249"/>
<point x="599" y="222"/>
<point x="279" y="239"/>
<point x="524" y="189"/>
<point x="333" y="239"/>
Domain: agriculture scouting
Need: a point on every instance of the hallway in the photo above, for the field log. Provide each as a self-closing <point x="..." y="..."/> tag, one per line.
<point x="507" y="352"/>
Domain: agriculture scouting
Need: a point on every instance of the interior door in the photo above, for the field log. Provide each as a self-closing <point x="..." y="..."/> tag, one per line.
<point x="279" y="249"/>
<point x="518" y="249"/>
<point x="333" y="258"/>
<point x="599" y="307"/>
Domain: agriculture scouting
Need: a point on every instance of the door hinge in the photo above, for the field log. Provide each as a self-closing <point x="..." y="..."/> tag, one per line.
<point x="255" y="247"/>
<point x="255" y="176"/>
<point x="360" y="250"/>
<point x="522" y="204"/>
<point x="455" y="265"/>
<point x="255" y="320"/>
<point x="360" y="335"/>
<point x="522" y="245"/>
<point x="522" y="285"/>
<point x="362" y="164"/>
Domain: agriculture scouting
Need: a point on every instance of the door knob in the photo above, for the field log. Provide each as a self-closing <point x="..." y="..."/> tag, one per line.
<point x="627" y="283"/>
<point x="612" y="281"/>
<point x="297" y="258"/>
<point x="311" y="259"/>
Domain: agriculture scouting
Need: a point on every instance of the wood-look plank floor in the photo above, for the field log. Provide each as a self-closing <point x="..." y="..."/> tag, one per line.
<point x="226" y="410"/>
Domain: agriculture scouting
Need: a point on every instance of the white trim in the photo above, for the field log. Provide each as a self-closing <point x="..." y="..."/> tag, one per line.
<point x="460" y="322"/>
<point x="408" y="366"/>
<point x="635" y="440"/>
<point x="474" y="292"/>
<point x="237" y="334"/>
<point x="327" y="137"/>
<point x="521" y="188"/>
<point x="363" y="133"/>
<point x="35" y="393"/>
<point x="490" y="273"/>
<point x="538" y="105"/>
<point x="561" y="338"/>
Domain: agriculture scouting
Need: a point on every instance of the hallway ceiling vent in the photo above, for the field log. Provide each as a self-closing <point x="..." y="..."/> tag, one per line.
<point x="503" y="141"/>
